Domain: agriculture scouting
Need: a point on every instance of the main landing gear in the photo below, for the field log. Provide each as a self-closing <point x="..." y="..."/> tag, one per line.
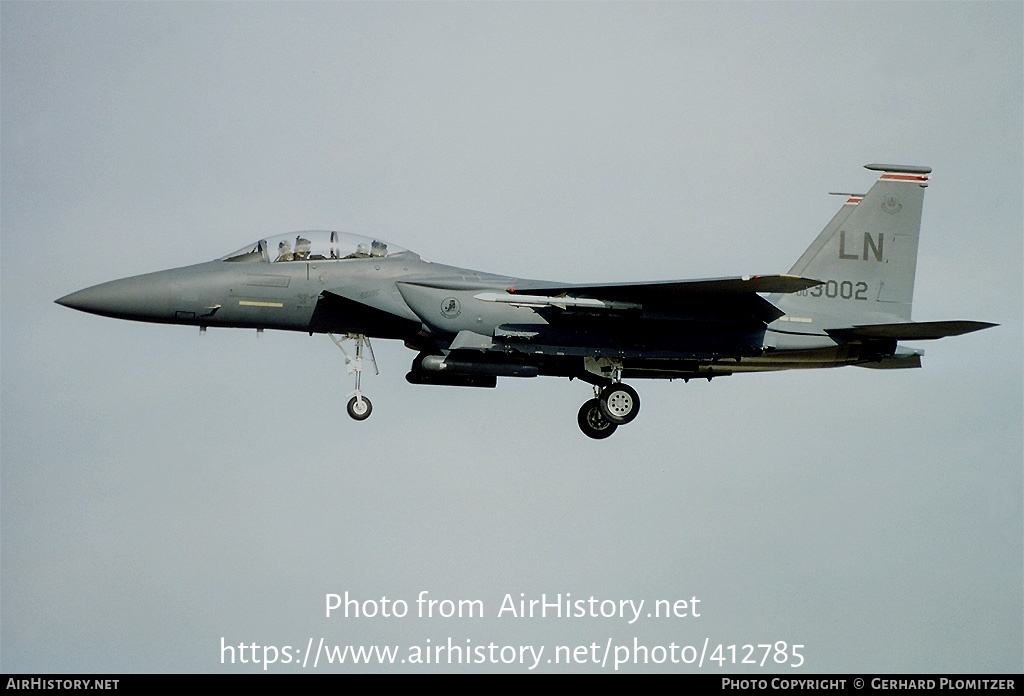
<point x="615" y="405"/>
<point x="359" y="407"/>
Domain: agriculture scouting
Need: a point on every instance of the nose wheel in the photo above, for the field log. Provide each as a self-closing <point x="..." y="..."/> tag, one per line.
<point x="359" y="407"/>
<point x="615" y="405"/>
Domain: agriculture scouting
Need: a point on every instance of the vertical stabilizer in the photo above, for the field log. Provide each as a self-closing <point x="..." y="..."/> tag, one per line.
<point x="866" y="257"/>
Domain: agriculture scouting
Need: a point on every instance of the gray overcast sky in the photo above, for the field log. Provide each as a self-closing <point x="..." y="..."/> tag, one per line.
<point x="161" y="491"/>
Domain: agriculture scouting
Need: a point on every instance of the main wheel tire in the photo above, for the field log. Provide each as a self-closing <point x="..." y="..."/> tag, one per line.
<point x="359" y="410"/>
<point x="593" y="422"/>
<point x="620" y="403"/>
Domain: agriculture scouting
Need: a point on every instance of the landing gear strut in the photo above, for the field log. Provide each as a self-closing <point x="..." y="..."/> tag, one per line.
<point x="359" y="407"/>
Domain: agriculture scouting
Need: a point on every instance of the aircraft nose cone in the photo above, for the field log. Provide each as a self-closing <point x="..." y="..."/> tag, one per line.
<point x="145" y="298"/>
<point x="83" y="300"/>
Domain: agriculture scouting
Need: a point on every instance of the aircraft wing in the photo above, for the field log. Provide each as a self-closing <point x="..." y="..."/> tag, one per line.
<point x="661" y="291"/>
<point x="722" y="298"/>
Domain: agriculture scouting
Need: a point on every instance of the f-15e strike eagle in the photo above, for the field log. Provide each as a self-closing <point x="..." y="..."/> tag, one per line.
<point x="846" y="301"/>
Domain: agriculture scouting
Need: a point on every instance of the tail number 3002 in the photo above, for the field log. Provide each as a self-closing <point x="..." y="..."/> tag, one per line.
<point x="847" y="290"/>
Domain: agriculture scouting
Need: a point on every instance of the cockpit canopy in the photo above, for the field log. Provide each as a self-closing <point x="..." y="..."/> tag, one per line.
<point x="314" y="245"/>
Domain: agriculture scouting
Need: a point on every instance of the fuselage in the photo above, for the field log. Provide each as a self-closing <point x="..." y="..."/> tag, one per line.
<point x="387" y="292"/>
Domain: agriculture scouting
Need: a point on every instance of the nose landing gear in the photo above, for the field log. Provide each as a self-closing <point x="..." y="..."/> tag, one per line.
<point x="359" y="407"/>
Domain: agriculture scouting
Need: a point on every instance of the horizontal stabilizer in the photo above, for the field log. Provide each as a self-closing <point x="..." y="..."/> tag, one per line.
<point x="912" y="331"/>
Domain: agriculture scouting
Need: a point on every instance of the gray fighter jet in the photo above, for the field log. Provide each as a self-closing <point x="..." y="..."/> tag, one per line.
<point x="845" y="302"/>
